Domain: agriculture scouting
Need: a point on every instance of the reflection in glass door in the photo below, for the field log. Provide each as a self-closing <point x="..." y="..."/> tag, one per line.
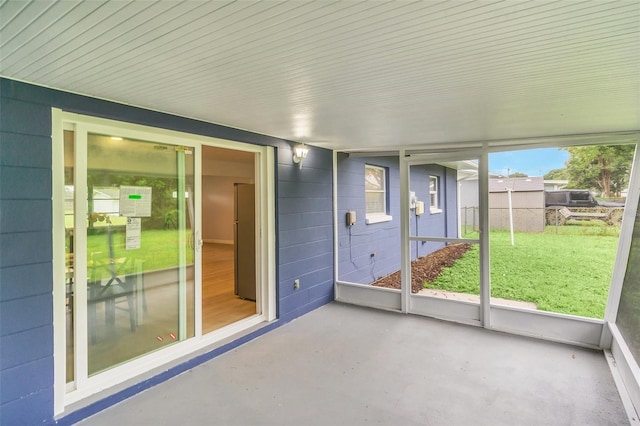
<point x="128" y="236"/>
<point x="139" y="248"/>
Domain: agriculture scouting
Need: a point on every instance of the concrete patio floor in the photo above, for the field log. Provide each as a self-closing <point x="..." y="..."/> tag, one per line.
<point x="346" y="365"/>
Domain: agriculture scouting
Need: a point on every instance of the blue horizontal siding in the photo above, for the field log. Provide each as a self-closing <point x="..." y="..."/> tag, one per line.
<point x="39" y="372"/>
<point x="24" y="150"/>
<point x="24" y="118"/>
<point x="25" y="248"/>
<point x="25" y="280"/>
<point x="31" y="409"/>
<point x="25" y="215"/>
<point x="26" y="309"/>
<point x="26" y="346"/>
<point x="21" y="183"/>
<point x="23" y="314"/>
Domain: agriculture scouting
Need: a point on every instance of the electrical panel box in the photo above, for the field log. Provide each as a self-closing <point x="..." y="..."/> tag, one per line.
<point x="419" y="208"/>
<point x="351" y="218"/>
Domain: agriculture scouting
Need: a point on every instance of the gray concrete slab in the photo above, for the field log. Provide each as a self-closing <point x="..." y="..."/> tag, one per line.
<point x="346" y="365"/>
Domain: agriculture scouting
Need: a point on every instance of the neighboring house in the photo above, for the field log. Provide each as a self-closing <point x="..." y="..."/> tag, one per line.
<point x="526" y="207"/>
<point x="369" y="248"/>
<point x="554" y="185"/>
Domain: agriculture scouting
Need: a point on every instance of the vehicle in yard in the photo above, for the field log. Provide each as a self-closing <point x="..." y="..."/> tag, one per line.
<point x="580" y="204"/>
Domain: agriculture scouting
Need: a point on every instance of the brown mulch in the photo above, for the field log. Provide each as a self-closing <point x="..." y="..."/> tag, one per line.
<point x="426" y="268"/>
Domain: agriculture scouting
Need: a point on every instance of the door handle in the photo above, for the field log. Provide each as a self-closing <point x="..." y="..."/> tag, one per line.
<point x="198" y="242"/>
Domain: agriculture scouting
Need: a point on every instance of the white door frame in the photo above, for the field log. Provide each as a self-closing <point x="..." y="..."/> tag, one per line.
<point x="464" y="312"/>
<point x="265" y="217"/>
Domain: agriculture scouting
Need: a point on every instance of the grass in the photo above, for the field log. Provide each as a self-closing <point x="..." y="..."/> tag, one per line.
<point x="158" y="248"/>
<point x="567" y="272"/>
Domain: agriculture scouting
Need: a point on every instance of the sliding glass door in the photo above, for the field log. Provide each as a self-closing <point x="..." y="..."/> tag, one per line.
<point x="139" y="251"/>
<point x="128" y="241"/>
<point x="129" y="247"/>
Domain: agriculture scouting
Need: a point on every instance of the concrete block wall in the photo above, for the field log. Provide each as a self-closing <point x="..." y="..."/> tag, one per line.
<point x="305" y="222"/>
<point x="358" y="242"/>
<point x="355" y="245"/>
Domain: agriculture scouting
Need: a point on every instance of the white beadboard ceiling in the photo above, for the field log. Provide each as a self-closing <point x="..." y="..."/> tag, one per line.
<point x="344" y="75"/>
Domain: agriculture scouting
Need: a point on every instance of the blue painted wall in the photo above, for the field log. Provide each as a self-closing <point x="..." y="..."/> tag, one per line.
<point x="357" y="243"/>
<point x="303" y="229"/>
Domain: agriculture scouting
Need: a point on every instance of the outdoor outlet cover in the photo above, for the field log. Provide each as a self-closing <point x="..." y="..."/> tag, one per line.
<point x="296" y="284"/>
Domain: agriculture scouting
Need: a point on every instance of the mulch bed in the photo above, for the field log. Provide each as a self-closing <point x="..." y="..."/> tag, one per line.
<point x="426" y="268"/>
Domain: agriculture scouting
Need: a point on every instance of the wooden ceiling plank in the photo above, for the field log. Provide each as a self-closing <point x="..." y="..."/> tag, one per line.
<point x="49" y="37"/>
<point x="169" y="45"/>
<point x="204" y="39"/>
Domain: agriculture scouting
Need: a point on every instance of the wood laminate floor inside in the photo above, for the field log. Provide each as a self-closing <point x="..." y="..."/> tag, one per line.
<point x="220" y="305"/>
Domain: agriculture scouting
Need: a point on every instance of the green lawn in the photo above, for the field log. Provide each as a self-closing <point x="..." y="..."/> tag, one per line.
<point x="567" y="272"/>
<point x="158" y="248"/>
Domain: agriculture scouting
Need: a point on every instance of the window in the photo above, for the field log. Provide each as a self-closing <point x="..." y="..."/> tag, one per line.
<point x="375" y="186"/>
<point x="434" y="205"/>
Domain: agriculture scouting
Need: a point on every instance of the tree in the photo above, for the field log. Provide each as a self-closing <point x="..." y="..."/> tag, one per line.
<point x="518" y="174"/>
<point x="556" y="174"/>
<point x="603" y="168"/>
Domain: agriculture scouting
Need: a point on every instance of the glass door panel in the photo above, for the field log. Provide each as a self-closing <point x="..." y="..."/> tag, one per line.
<point x="140" y="253"/>
<point x="69" y="249"/>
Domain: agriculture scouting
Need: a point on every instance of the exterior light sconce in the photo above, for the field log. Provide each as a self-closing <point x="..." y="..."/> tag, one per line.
<point x="300" y="152"/>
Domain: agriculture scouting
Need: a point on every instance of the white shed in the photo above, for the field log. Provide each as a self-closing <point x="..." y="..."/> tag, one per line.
<point x="527" y="203"/>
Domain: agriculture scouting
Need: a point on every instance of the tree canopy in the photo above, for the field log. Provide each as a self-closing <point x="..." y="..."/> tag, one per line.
<point x="556" y="174"/>
<point x="518" y="174"/>
<point x="602" y="168"/>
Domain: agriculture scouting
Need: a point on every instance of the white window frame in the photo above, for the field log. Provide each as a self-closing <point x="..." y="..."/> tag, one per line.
<point x="434" y="195"/>
<point x="382" y="216"/>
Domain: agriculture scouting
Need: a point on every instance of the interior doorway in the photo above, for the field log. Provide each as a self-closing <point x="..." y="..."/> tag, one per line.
<point x="229" y="287"/>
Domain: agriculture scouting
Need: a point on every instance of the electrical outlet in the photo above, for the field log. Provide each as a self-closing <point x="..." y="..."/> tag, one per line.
<point x="296" y="284"/>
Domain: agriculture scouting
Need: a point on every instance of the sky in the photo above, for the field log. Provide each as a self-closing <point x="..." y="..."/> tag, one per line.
<point x="533" y="162"/>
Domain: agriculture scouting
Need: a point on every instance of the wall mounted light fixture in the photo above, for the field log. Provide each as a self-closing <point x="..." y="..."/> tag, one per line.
<point x="300" y="152"/>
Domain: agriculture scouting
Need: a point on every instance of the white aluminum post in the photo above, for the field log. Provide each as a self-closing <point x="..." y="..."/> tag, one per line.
<point x="509" y="191"/>
<point x="405" y="248"/>
<point x="182" y="246"/>
<point x="59" y="262"/>
<point x="485" y="289"/>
